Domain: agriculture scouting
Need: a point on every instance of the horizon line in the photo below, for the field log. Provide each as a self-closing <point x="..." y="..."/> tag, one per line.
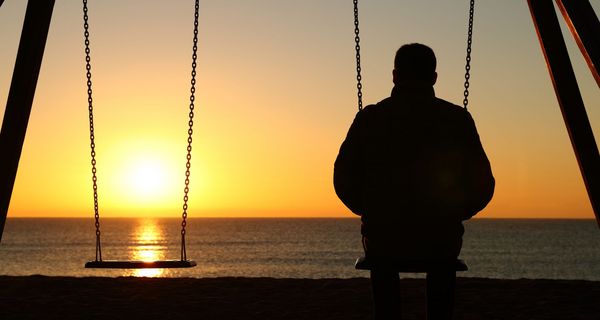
<point x="284" y="217"/>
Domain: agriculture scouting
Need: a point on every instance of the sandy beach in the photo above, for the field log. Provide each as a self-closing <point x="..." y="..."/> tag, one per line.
<point x="38" y="297"/>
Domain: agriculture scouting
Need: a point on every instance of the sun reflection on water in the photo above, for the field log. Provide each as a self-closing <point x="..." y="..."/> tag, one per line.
<point x="149" y="244"/>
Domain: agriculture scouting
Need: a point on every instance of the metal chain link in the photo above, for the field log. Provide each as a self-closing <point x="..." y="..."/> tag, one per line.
<point x="468" y="59"/>
<point x="88" y="69"/>
<point x="190" y="132"/>
<point x="358" y="68"/>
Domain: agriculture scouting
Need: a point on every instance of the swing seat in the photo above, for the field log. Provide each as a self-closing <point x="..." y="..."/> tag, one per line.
<point x="411" y="266"/>
<point x="125" y="264"/>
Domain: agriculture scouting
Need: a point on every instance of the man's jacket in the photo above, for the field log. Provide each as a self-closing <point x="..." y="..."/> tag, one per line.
<point x="413" y="167"/>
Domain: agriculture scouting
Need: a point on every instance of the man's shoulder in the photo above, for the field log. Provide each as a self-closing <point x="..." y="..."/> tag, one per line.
<point x="451" y="110"/>
<point x="379" y="105"/>
<point x="442" y="107"/>
<point x="449" y="106"/>
<point x="373" y="110"/>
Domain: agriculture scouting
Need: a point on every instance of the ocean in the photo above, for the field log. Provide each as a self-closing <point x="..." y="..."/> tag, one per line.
<point x="288" y="248"/>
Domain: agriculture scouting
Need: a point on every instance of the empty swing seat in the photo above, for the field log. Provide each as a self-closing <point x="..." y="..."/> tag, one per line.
<point x="124" y="264"/>
<point x="411" y="266"/>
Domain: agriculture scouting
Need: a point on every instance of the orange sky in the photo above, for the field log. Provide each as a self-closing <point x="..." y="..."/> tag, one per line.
<point x="276" y="95"/>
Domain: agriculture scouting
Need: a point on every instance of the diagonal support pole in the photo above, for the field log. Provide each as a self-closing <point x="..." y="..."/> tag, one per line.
<point x="20" y="96"/>
<point x="569" y="97"/>
<point x="585" y="27"/>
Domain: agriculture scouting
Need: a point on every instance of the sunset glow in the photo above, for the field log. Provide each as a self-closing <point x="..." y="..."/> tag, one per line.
<point x="276" y="94"/>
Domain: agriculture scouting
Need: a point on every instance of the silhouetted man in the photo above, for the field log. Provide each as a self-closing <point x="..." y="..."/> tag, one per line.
<point x="413" y="168"/>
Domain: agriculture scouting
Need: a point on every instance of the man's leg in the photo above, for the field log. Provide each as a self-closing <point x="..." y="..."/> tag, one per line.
<point x="440" y="294"/>
<point x="386" y="294"/>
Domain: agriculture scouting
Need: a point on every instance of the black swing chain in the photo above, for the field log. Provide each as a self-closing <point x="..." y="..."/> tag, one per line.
<point x="190" y="131"/>
<point x="468" y="58"/>
<point x="357" y="47"/>
<point x="88" y="68"/>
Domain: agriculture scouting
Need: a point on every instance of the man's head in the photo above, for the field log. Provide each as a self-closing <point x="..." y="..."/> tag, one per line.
<point x="415" y="64"/>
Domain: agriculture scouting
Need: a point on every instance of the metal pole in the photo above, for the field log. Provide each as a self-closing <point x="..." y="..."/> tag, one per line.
<point x="569" y="97"/>
<point x="20" y="96"/>
<point x="585" y="27"/>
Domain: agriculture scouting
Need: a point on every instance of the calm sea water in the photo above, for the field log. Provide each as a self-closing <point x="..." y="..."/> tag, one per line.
<point x="288" y="248"/>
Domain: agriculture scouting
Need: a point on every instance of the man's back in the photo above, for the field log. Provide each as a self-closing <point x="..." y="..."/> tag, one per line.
<point x="412" y="166"/>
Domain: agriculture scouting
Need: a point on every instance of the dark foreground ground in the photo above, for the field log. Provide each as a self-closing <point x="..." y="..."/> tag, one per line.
<point x="39" y="297"/>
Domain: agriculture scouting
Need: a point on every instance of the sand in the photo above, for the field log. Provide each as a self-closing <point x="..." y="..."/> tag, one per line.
<point x="39" y="297"/>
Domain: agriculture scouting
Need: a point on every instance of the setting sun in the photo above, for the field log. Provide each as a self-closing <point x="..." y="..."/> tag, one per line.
<point x="148" y="179"/>
<point x="144" y="175"/>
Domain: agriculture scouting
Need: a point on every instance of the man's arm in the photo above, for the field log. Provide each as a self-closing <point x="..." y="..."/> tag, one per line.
<point x="347" y="174"/>
<point x="479" y="172"/>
